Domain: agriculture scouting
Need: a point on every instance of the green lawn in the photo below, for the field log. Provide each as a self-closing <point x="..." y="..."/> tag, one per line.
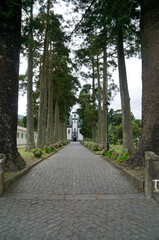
<point x="118" y="148"/>
<point x="29" y="159"/>
<point x="98" y="152"/>
<point x="26" y="155"/>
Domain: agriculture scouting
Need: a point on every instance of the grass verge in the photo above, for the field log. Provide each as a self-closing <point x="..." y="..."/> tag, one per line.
<point x="98" y="152"/>
<point x="117" y="148"/>
<point x="138" y="171"/>
<point x="29" y="159"/>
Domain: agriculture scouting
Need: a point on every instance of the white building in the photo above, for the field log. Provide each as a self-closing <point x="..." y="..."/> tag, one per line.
<point x="22" y="136"/>
<point x="73" y="128"/>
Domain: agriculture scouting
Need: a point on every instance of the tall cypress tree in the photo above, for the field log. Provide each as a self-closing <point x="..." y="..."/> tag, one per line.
<point x="30" y="125"/>
<point x="10" y="29"/>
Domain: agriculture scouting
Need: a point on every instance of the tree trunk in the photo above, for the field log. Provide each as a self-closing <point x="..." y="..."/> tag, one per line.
<point x="42" y="117"/>
<point x="128" y="145"/>
<point x="30" y="122"/>
<point x="93" y="102"/>
<point x="65" y="130"/>
<point x="56" y="132"/>
<point x="99" y="103"/>
<point x="105" y="98"/>
<point x="50" y="106"/>
<point x="50" y="112"/>
<point x="10" y="25"/>
<point x="149" y="140"/>
<point x="60" y="131"/>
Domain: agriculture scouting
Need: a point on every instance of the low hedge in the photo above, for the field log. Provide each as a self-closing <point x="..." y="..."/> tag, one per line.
<point x="121" y="157"/>
<point x="48" y="148"/>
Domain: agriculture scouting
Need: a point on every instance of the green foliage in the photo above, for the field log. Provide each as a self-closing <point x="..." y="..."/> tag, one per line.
<point x="91" y="145"/>
<point x="123" y="157"/>
<point x="48" y="149"/>
<point x="20" y="122"/>
<point x="100" y="20"/>
<point x="57" y="145"/>
<point x="86" y="113"/>
<point x="114" y="155"/>
<point x="111" y="153"/>
<point x="96" y="147"/>
<point x="23" y="83"/>
<point x="37" y="152"/>
<point x="115" y="127"/>
<point x="35" y="123"/>
<point x="59" y="65"/>
<point x="118" y="147"/>
<point x="51" y="148"/>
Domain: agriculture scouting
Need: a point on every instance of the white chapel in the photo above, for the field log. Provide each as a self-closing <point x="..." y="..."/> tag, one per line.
<point x="73" y="128"/>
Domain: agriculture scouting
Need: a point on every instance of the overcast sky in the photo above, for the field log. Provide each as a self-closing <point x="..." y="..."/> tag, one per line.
<point x="133" y="66"/>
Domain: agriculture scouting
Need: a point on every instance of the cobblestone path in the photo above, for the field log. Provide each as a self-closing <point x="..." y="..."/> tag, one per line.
<point x="76" y="195"/>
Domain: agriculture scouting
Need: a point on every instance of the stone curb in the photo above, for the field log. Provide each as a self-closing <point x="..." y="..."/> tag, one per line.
<point x="137" y="182"/>
<point x="67" y="197"/>
<point x="11" y="180"/>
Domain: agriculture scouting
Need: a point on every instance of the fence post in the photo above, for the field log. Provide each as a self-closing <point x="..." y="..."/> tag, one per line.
<point x="2" y="160"/>
<point x="151" y="171"/>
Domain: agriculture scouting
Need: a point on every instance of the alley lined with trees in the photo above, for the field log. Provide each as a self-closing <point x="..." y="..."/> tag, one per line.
<point x="76" y="194"/>
<point x="110" y="32"/>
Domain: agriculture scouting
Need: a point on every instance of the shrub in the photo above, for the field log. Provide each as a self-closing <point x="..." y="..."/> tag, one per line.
<point x="56" y="145"/>
<point x="123" y="157"/>
<point x="37" y="152"/>
<point x="48" y="149"/>
<point x="111" y="153"/>
<point x="90" y="145"/>
<point x="64" y="143"/>
<point x="52" y="147"/>
<point x="108" y="153"/>
<point x="86" y="144"/>
<point x="115" y="155"/>
<point x="96" y="147"/>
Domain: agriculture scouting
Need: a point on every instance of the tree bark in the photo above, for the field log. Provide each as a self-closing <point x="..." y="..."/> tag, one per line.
<point x="149" y="140"/>
<point x="50" y="106"/>
<point x="128" y="144"/>
<point x="65" y="130"/>
<point x="30" y="121"/>
<point x="57" y="117"/>
<point x="105" y="98"/>
<point x="93" y="102"/>
<point x="60" y="131"/>
<point x="99" y="103"/>
<point x="10" y="27"/>
<point x="42" y="117"/>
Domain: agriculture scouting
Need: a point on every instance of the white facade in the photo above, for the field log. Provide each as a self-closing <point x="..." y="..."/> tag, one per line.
<point x="73" y="128"/>
<point x="22" y="136"/>
<point x="69" y="134"/>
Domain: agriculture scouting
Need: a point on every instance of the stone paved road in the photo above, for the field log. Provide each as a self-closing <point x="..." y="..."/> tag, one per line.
<point x="76" y="195"/>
